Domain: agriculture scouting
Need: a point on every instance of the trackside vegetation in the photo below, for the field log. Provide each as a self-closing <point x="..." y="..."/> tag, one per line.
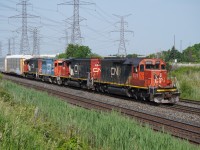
<point x="33" y="120"/>
<point x="189" y="81"/>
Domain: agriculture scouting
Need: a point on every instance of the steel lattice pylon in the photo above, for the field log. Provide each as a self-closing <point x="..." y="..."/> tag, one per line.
<point x="75" y="20"/>
<point x="36" y="42"/>
<point x="24" y="43"/>
<point x="122" y="46"/>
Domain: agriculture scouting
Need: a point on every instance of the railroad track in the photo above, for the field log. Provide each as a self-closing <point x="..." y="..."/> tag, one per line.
<point x="175" y="128"/>
<point x="190" y="101"/>
<point x="181" y="108"/>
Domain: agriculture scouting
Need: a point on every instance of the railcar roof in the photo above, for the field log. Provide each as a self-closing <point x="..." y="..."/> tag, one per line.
<point x="19" y="56"/>
<point x="133" y="61"/>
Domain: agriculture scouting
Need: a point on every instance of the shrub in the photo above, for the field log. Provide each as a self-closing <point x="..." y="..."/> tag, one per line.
<point x="186" y="89"/>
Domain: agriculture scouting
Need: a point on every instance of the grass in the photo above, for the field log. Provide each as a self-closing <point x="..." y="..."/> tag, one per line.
<point x="34" y="120"/>
<point x="189" y="81"/>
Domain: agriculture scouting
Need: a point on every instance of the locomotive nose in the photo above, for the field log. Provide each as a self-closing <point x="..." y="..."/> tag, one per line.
<point x="158" y="78"/>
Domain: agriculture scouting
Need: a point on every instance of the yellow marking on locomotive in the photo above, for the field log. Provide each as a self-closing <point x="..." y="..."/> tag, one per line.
<point x="166" y="90"/>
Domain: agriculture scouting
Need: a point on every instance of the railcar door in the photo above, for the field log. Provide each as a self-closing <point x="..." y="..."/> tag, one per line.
<point x="56" y="67"/>
<point x="141" y="73"/>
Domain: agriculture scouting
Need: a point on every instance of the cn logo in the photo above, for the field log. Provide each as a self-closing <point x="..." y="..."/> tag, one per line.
<point x="96" y="70"/>
<point x="114" y="71"/>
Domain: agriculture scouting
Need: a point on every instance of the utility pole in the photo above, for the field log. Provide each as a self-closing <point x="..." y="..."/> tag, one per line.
<point x="122" y="46"/>
<point x="75" y="20"/>
<point x="9" y="47"/>
<point x="36" y="42"/>
<point x="24" y="44"/>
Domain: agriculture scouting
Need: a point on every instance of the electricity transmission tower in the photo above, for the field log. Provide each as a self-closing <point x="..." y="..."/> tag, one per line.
<point x="75" y="20"/>
<point x="122" y="46"/>
<point x="24" y="44"/>
<point x="36" y="42"/>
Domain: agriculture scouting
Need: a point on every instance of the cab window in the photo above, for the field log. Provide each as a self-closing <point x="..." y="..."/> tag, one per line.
<point x="135" y="70"/>
<point x="163" y="67"/>
<point x="141" y="68"/>
<point x="153" y="67"/>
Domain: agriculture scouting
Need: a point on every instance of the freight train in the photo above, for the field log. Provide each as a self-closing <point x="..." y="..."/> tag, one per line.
<point x="138" y="78"/>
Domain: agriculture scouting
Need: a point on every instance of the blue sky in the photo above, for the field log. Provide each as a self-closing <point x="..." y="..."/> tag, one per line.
<point x="154" y="22"/>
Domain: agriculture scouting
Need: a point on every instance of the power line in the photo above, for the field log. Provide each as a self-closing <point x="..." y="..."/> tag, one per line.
<point x="122" y="47"/>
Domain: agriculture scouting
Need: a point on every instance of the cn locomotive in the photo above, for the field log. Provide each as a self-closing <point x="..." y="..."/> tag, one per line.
<point x="139" y="78"/>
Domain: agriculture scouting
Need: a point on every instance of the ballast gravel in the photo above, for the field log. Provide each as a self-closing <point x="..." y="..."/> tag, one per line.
<point x="134" y="105"/>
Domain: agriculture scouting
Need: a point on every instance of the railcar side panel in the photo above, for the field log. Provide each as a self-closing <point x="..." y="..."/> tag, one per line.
<point x="79" y="68"/>
<point x="48" y="66"/>
<point x="95" y="69"/>
<point x="115" y="71"/>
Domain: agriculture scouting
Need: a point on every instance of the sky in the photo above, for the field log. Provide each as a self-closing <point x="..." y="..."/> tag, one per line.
<point x="154" y="24"/>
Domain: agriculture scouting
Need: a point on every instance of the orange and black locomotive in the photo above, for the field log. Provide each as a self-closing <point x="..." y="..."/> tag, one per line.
<point x="139" y="78"/>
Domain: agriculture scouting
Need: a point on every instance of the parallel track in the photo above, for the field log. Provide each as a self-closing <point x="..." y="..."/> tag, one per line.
<point x="190" y="101"/>
<point x="175" y="128"/>
<point x="181" y="108"/>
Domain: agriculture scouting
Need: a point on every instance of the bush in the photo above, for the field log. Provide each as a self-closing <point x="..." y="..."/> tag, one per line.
<point x="186" y="89"/>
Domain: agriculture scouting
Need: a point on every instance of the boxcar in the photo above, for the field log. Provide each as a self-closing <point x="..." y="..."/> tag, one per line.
<point x="15" y="63"/>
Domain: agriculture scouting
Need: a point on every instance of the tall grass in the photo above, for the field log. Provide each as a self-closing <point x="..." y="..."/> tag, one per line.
<point x="189" y="81"/>
<point x="80" y="128"/>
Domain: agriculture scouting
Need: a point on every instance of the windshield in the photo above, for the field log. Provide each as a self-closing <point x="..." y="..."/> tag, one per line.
<point x="150" y="66"/>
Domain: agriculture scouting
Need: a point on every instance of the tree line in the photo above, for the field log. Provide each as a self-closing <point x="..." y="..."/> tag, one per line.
<point x="190" y="54"/>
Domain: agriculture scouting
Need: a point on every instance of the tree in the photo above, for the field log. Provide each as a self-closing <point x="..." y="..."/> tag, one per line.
<point x="132" y="55"/>
<point x="192" y="53"/>
<point x="76" y="51"/>
<point x="62" y="55"/>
